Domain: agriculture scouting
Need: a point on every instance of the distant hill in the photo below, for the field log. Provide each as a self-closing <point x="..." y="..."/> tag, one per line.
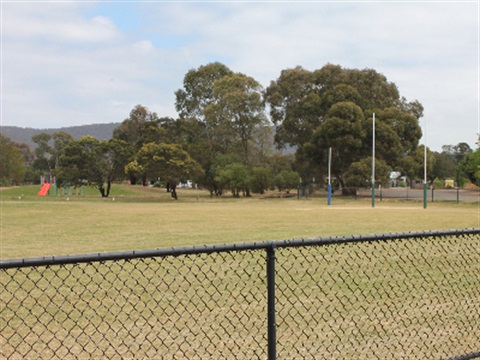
<point x="24" y="135"/>
<point x="98" y="131"/>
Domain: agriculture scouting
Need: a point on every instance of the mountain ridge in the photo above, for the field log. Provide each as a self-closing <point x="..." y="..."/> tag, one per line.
<point x="24" y="135"/>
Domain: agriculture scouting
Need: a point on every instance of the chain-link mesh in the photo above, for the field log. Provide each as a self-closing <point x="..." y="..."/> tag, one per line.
<point x="401" y="297"/>
<point x="177" y="307"/>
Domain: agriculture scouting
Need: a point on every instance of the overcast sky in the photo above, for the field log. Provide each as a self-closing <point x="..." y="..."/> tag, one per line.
<point x="76" y="63"/>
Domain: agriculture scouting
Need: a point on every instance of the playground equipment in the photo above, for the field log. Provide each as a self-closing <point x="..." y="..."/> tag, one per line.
<point x="44" y="189"/>
<point x="48" y="183"/>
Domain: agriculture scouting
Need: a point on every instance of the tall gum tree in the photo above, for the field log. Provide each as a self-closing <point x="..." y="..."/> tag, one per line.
<point x="197" y="92"/>
<point x="141" y="127"/>
<point x="304" y="107"/>
<point x="238" y="110"/>
<point x="343" y="129"/>
<point x="294" y="106"/>
<point x="190" y="102"/>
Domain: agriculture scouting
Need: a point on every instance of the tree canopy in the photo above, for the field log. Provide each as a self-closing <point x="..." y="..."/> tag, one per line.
<point x="93" y="162"/>
<point x="12" y="162"/>
<point x="228" y="127"/>
<point x="333" y="107"/>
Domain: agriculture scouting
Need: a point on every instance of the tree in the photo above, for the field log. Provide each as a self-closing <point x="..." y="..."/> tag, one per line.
<point x="60" y="142"/>
<point x="262" y="145"/>
<point x="343" y="130"/>
<point x="470" y="165"/>
<point x="237" y="111"/>
<point x="167" y="161"/>
<point x="294" y="106"/>
<point x="397" y="134"/>
<point x="301" y="105"/>
<point x="455" y="154"/>
<point x="116" y="153"/>
<point x="92" y="162"/>
<point x="42" y="153"/>
<point x="48" y="151"/>
<point x="260" y="180"/>
<point x="359" y="174"/>
<point x="412" y="166"/>
<point x="445" y="166"/>
<point x="461" y="150"/>
<point x="235" y="177"/>
<point x="375" y="91"/>
<point x="228" y="113"/>
<point x="28" y="158"/>
<point x="141" y="127"/>
<point x="197" y="92"/>
<point x="286" y="180"/>
<point x="12" y="162"/>
<point x="280" y="162"/>
<point x="191" y="102"/>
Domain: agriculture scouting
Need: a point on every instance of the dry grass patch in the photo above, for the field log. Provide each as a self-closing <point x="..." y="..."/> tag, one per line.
<point x="32" y="227"/>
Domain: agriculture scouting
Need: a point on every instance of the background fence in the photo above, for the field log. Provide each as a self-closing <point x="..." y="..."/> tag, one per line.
<point x="433" y="195"/>
<point x="399" y="296"/>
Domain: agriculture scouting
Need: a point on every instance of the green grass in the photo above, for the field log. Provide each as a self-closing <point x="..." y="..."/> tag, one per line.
<point x="134" y="217"/>
<point x="385" y="297"/>
<point x="402" y="299"/>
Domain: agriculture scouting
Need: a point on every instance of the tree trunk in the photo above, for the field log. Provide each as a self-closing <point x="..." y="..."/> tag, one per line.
<point x="133" y="180"/>
<point x="345" y="191"/>
<point x="174" y="191"/>
<point x="109" y="185"/>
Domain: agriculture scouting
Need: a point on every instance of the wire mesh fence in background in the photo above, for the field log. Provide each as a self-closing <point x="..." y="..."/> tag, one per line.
<point x="399" y="296"/>
<point x="433" y="195"/>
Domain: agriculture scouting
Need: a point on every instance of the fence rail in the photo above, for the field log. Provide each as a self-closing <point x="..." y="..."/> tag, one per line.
<point x="390" y="296"/>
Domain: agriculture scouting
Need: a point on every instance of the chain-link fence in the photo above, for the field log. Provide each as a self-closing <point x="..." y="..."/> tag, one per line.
<point x="433" y="195"/>
<point x="399" y="296"/>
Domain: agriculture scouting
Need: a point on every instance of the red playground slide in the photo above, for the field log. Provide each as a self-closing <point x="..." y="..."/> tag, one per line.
<point x="44" y="190"/>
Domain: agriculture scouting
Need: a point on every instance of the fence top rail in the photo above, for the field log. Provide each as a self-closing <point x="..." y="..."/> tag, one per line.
<point x="207" y="249"/>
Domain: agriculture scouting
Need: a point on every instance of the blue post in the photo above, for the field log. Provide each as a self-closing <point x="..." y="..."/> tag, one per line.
<point x="373" y="194"/>
<point x="425" y="195"/>
<point x="329" y="201"/>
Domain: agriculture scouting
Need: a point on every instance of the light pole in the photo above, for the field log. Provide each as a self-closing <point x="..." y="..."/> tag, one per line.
<point x="329" y="201"/>
<point x="373" y="162"/>
<point x="425" y="168"/>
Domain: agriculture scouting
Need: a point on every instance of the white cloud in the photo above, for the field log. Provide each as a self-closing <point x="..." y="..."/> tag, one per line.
<point x="67" y="63"/>
<point x="55" y="22"/>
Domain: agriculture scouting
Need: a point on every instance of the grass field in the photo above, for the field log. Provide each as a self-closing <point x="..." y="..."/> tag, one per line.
<point x="134" y="217"/>
<point x="402" y="299"/>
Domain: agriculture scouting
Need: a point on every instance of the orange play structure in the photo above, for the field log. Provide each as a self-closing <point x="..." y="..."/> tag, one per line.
<point x="44" y="190"/>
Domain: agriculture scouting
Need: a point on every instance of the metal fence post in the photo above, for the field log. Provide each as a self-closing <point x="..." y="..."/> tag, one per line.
<point x="272" y="331"/>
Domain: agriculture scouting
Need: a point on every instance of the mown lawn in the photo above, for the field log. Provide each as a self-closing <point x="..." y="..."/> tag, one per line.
<point x="403" y="299"/>
<point x="144" y="218"/>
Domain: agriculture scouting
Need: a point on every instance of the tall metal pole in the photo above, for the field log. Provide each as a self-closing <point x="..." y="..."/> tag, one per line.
<point x="329" y="202"/>
<point x="272" y="330"/>
<point x="425" y="168"/>
<point x="373" y="162"/>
